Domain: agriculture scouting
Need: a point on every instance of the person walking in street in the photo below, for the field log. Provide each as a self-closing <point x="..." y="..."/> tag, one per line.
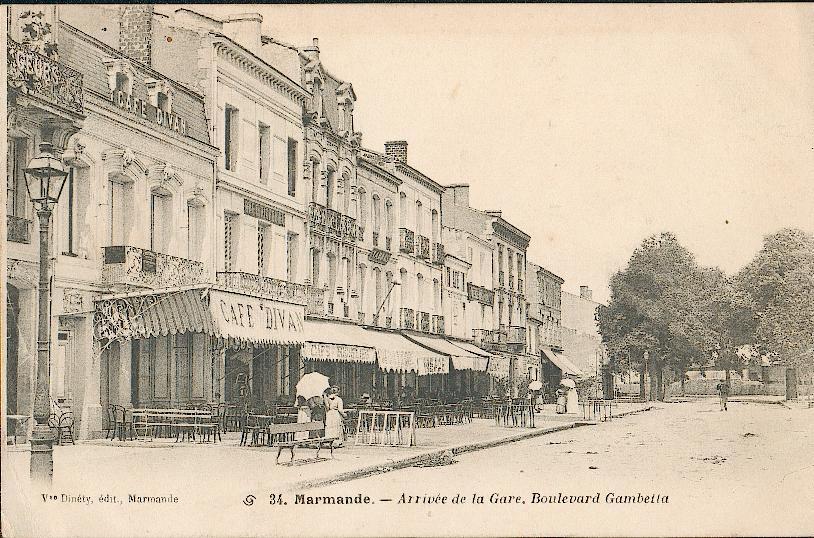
<point x="334" y="416"/>
<point x="723" y="394"/>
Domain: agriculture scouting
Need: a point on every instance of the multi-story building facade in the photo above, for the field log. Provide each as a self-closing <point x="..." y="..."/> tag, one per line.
<point x="499" y="247"/>
<point x="136" y="216"/>
<point x="581" y="338"/>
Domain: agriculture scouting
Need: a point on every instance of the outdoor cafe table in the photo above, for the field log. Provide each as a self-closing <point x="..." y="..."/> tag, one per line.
<point x="171" y="419"/>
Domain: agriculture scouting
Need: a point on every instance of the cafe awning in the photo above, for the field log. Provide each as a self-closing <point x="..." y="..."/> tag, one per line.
<point x="233" y="317"/>
<point x="461" y="358"/>
<point x="560" y="361"/>
<point x="333" y="341"/>
<point x="395" y="352"/>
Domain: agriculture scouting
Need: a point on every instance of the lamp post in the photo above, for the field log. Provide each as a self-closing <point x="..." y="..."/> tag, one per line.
<point x="45" y="177"/>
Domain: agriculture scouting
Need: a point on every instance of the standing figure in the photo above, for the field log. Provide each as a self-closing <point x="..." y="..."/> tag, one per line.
<point x="303" y="416"/>
<point x="723" y="394"/>
<point x="572" y="401"/>
<point x="561" y="399"/>
<point x="334" y="416"/>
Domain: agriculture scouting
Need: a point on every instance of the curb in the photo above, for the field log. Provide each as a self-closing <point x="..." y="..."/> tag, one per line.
<point x="437" y="453"/>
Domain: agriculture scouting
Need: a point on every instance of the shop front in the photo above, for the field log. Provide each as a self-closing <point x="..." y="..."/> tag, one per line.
<point x="195" y="345"/>
<point x="459" y="382"/>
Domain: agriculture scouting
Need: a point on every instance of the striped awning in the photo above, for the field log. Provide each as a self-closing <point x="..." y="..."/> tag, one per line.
<point x="333" y="341"/>
<point x="396" y="353"/>
<point x="560" y="361"/>
<point x="461" y="358"/>
<point x="233" y="317"/>
<point x="145" y="315"/>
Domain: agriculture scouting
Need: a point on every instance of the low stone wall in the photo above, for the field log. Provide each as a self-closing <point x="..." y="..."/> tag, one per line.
<point x="738" y="387"/>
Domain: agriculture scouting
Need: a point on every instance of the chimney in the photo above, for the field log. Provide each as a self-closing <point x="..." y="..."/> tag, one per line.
<point x="312" y="52"/>
<point x="244" y="28"/>
<point x="136" y="32"/>
<point x="460" y="194"/>
<point x="586" y="293"/>
<point x="397" y="150"/>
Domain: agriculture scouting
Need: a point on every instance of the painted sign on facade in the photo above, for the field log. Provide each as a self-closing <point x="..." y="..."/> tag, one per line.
<point x="257" y="320"/>
<point x="147" y="111"/>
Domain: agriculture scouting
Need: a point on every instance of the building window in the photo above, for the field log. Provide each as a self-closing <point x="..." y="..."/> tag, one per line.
<point x="292" y="254"/>
<point x="418" y="227"/>
<point x="163" y="102"/>
<point x="231" y="133"/>
<point x="16" y="191"/>
<point x="264" y="138"/>
<point x="434" y="223"/>
<point x="315" y="261"/>
<point x="331" y="274"/>
<point x="315" y="181"/>
<point x="449" y="277"/>
<point x="292" y="167"/>
<point x="329" y="189"/>
<point x="436" y="296"/>
<point x="69" y="224"/>
<point x="123" y="83"/>
<point x="360" y="278"/>
<point x="388" y="216"/>
<point x="120" y="206"/>
<point x="160" y="207"/>
<point x="403" y="209"/>
<point x="195" y="230"/>
<point x="262" y="249"/>
<point x="229" y="241"/>
<point x="362" y="209"/>
<point x="419" y="291"/>
<point x="404" y="287"/>
<point x="377" y="218"/>
<point x="377" y="281"/>
<point x="388" y="279"/>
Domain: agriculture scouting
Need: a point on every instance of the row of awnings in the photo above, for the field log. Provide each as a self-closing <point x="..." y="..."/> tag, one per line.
<point x="242" y="320"/>
<point x="561" y="361"/>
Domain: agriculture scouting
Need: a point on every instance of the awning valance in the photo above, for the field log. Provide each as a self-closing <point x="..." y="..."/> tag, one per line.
<point x="560" y="361"/>
<point x="332" y="341"/>
<point x="472" y="348"/>
<point x="461" y="358"/>
<point x="231" y="316"/>
<point x="394" y="352"/>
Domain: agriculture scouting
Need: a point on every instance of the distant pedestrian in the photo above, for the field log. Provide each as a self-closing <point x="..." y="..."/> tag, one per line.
<point x="723" y="393"/>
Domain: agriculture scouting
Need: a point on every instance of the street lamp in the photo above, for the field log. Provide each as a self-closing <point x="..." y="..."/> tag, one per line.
<point x="45" y="178"/>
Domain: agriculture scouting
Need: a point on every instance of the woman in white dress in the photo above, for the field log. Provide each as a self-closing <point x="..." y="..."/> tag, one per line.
<point x="303" y="416"/>
<point x="572" y="401"/>
<point x="334" y="416"/>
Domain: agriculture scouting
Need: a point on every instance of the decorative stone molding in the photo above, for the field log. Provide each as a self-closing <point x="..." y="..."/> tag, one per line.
<point x="73" y="301"/>
<point x="154" y="87"/>
<point x="114" y="67"/>
<point x="72" y="156"/>
<point x="165" y="175"/>
<point x="117" y="160"/>
<point x="22" y="273"/>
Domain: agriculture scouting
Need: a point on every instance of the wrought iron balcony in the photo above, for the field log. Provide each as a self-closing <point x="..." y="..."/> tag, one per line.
<point x="516" y="336"/>
<point x="480" y="294"/>
<point x="489" y="339"/>
<point x="32" y="73"/>
<point x="423" y="321"/>
<point x="315" y="301"/>
<point x="263" y="286"/>
<point x="438" y="253"/>
<point x="407" y="241"/>
<point x="407" y="317"/>
<point x="138" y="267"/>
<point x="423" y="247"/>
<point x="332" y="223"/>
<point x="18" y="230"/>
<point x="438" y="324"/>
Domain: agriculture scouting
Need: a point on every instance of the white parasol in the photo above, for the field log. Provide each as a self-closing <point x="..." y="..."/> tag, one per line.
<point x="535" y="385"/>
<point x="311" y="385"/>
<point x="568" y="383"/>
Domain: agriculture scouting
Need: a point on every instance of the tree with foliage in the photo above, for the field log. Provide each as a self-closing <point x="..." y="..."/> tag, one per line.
<point x="652" y="317"/>
<point x="780" y="284"/>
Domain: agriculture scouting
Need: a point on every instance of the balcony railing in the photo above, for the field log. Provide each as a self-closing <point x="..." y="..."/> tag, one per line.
<point x="407" y="318"/>
<point x="423" y="322"/>
<point x="406" y="241"/>
<point x="438" y="253"/>
<point x="18" y="230"/>
<point x="360" y="316"/>
<point x="516" y="335"/>
<point x="480" y="294"/>
<point x="315" y="301"/>
<point x="388" y="322"/>
<point x="332" y="222"/>
<point x="32" y="73"/>
<point x="423" y="247"/>
<point x="438" y="324"/>
<point x="263" y="286"/>
<point x="133" y="266"/>
<point x="489" y="339"/>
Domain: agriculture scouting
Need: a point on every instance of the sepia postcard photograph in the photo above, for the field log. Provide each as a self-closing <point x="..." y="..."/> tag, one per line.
<point x="396" y="270"/>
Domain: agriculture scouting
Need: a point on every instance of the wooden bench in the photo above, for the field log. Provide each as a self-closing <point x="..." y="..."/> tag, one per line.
<point x="282" y="436"/>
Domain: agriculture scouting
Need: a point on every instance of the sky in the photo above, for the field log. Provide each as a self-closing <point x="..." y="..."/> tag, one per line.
<point x="589" y="126"/>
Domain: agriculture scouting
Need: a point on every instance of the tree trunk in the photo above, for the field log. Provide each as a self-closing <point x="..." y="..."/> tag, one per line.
<point x="642" y="373"/>
<point x="683" y="376"/>
<point x="660" y="383"/>
<point x="653" y="366"/>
